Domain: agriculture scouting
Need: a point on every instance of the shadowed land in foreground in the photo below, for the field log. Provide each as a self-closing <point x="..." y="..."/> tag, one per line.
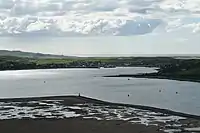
<point x="85" y="115"/>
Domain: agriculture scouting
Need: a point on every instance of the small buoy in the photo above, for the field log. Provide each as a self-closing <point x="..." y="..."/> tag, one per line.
<point x="128" y="79"/>
<point x="44" y="81"/>
<point x="176" y="92"/>
<point x="128" y="95"/>
<point x="159" y="90"/>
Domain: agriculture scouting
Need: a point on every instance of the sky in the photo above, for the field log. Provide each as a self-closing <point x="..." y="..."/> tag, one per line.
<point x="101" y="27"/>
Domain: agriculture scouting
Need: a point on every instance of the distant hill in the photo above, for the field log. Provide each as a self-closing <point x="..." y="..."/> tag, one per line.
<point x="30" y="54"/>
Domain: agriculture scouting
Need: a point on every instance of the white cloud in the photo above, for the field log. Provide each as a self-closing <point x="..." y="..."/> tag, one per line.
<point x="98" y="17"/>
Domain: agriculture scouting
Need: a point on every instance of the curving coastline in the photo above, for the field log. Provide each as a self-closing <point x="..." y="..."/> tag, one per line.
<point x="155" y="76"/>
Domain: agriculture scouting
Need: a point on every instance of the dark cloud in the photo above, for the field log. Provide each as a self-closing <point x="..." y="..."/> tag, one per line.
<point x="138" y="27"/>
<point x="143" y="3"/>
<point x="142" y="11"/>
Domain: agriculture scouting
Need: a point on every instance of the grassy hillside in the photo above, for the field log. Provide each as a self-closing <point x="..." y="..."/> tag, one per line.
<point x="29" y="62"/>
<point x="29" y="54"/>
<point x="169" y="67"/>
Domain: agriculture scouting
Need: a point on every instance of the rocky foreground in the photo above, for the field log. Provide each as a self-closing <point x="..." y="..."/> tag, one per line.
<point x="76" y="114"/>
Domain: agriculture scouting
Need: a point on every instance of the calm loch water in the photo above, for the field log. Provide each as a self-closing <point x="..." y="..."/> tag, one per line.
<point x="89" y="82"/>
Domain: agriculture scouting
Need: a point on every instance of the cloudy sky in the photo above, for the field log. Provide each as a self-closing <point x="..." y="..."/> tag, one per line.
<point x="169" y="26"/>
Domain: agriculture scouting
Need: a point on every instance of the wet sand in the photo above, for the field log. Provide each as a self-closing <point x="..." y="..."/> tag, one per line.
<point x="76" y="114"/>
<point x="74" y="125"/>
<point x="72" y="100"/>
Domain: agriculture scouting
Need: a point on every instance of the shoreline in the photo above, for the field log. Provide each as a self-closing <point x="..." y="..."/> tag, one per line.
<point x="149" y="76"/>
<point x="50" y="68"/>
<point x="139" y="75"/>
<point x="83" y="100"/>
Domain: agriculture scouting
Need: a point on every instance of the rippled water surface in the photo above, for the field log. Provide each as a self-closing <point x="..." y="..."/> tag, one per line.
<point x="89" y="82"/>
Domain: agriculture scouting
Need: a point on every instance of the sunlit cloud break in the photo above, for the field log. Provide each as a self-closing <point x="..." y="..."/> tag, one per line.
<point x="97" y="17"/>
